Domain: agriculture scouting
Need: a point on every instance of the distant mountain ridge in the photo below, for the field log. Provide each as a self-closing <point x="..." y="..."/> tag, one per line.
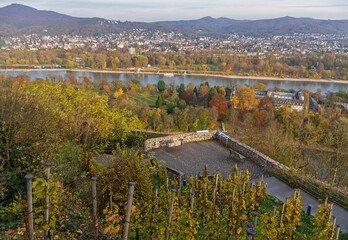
<point x="17" y="18"/>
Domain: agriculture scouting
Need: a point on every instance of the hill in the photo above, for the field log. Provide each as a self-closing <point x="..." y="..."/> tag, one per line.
<point x="288" y="25"/>
<point x="17" y="19"/>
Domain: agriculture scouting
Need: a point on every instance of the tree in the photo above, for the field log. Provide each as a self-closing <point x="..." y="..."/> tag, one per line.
<point x="86" y="81"/>
<point x="219" y="103"/>
<point x="259" y="86"/>
<point x="266" y="103"/>
<point x="161" y="85"/>
<point x="181" y="88"/>
<point x="188" y="94"/>
<point x="160" y="100"/>
<point x="246" y="99"/>
<point x="212" y="93"/>
<point x="203" y="95"/>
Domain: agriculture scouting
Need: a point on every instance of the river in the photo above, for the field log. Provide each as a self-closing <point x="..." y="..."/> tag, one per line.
<point x="178" y="79"/>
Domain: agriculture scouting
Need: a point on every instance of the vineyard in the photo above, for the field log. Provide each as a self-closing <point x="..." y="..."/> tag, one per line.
<point x="201" y="207"/>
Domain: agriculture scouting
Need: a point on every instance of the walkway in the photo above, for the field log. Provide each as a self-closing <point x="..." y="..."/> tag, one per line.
<point x="190" y="158"/>
<point x="281" y="191"/>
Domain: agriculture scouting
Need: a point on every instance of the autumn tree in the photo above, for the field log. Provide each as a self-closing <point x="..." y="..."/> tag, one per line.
<point x="203" y="95"/>
<point x="188" y="95"/>
<point x="266" y="103"/>
<point x="259" y="86"/>
<point x="246" y="99"/>
<point x="219" y="103"/>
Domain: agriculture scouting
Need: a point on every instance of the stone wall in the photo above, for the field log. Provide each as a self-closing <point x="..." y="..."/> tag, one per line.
<point x="177" y="140"/>
<point x="249" y="152"/>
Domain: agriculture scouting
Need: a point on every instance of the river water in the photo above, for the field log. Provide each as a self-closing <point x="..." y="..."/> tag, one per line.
<point x="178" y="79"/>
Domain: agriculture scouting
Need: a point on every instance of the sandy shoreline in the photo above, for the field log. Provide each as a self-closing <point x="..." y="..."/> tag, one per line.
<point x="190" y="74"/>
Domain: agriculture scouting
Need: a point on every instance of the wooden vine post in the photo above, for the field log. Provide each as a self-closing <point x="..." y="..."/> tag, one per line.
<point x="29" y="178"/>
<point x="250" y="234"/>
<point x="170" y="213"/>
<point x="47" y="199"/>
<point x="129" y="210"/>
<point x="110" y="202"/>
<point x="95" y="207"/>
<point x="192" y="199"/>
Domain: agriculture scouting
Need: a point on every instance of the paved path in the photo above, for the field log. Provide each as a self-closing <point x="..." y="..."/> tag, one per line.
<point x="281" y="191"/>
<point x="190" y="158"/>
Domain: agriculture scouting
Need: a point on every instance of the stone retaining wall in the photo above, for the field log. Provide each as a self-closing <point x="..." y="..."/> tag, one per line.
<point x="249" y="152"/>
<point x="177" y="140"/>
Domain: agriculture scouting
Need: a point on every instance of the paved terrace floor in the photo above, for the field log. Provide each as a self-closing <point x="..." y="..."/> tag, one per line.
<point x="190" y="158"/>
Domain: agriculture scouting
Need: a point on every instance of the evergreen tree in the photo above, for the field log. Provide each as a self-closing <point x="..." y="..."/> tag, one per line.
<point x="161" y="85"/>
<point x="160" y="100"/>
<point x="181" y="88"/>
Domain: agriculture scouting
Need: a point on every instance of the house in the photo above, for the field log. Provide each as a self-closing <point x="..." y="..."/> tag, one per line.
<point x="294" y="101"/>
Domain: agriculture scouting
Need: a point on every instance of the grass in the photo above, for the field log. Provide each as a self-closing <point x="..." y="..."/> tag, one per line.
<point x="140" y="98"/>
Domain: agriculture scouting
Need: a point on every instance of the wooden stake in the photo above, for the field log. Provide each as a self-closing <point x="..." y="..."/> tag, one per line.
<point x="216" y="179"/>
<point x="325" y="203"/>
<point x="179" y="195"/>
<point x="29" y="178"/>
<point x="255" y="219"/>
<point x="330" y="215"/>
<point x="110" y="202"/>
<point x="250" y="234"/>
<point x="170" y="213"/>
<point x="214" y="193"/>
<point x="180" y="181"/>
<point x="47" y="199"/>
<point x="95" y="206"/>
<point x="274" y="210"/>
<point x="129" y="210"/>
<point x="282" y="215"/>
<point x="233" y="193"/>
<point x="338" y="232"/>
<point x="156" y="191"/>
<point x="192" y="199"/>
<point x="333" y="228"/>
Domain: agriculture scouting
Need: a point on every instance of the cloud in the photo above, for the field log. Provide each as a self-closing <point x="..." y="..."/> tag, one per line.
<point x="322" y="6"/>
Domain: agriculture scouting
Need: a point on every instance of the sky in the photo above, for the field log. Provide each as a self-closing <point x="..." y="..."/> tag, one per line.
<point x="164" y="10"/>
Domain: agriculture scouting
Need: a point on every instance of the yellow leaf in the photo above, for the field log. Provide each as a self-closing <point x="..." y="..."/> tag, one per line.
<point x="79" y="231"/>
<point x="133" y="209"/>
<point x="106" y="230"/>
<point x="112" y="217"/>
<point x="239" y="230"/>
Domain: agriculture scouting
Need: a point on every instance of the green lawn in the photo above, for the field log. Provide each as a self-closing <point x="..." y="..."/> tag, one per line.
<point x="140" y="98"/>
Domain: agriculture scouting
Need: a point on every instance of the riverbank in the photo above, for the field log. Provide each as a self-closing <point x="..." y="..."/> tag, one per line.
<point x="181" y="73"/>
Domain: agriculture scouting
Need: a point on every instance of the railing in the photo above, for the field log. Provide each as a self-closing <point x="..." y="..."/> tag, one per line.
<point x="312" y="186"/>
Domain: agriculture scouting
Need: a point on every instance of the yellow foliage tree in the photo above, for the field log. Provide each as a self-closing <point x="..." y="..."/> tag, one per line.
<point x="118" y="93"/>
<point x="246" y="99"/>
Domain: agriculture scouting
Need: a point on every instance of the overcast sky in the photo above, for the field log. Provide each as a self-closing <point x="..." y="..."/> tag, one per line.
<point x="159" y="10"/>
